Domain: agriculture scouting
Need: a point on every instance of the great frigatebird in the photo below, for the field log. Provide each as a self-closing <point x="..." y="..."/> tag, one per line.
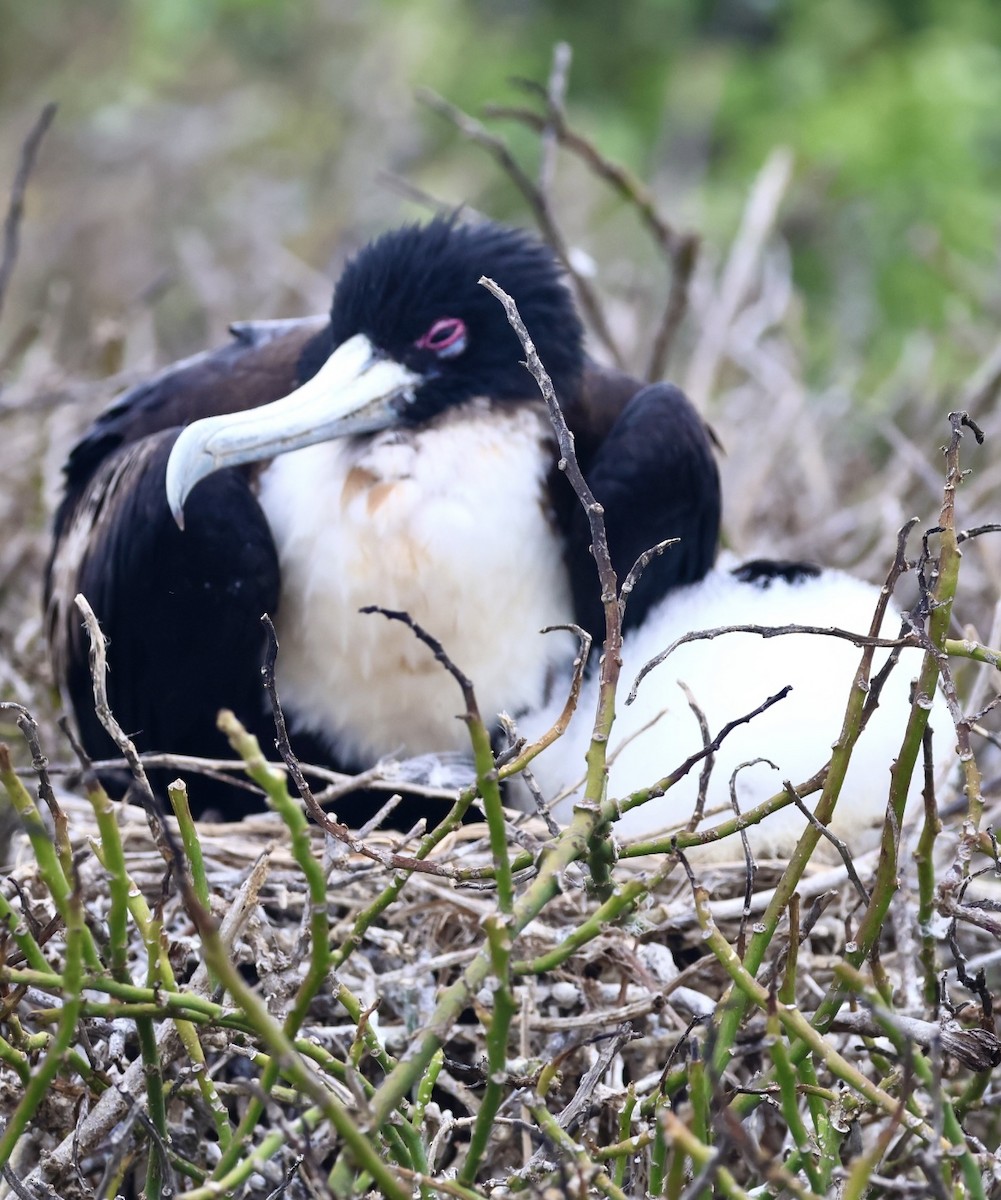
<point x="396" y="453"/>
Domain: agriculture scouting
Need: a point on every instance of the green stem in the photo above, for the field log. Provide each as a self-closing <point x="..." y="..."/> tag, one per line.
<point x="38" y="1083"/>
<point x="178" y="794"/>
<point x="569" y="847"/>
<point x="924" y="858"/>
<point x="489" y="788"/>
<point x="505" y="1008"/>
<point x="795" y="1024"/>
<point x="113" y="857"/>
<point x="316" y="976"/>
<point x="158" y="953"/>
<point x="617" y="906"/>
<point x="22" y="938"/>
<point x="568" y="1147"/>
<point x="16" y="1059"/>
<point x="49" y="864"/>
<point x="786" y="1077"/>
<point x="156" y="1105"/>
<point x="966" y="648"/>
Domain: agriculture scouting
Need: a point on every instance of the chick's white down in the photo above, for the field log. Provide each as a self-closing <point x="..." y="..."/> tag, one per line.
<point x="730" y="676"/>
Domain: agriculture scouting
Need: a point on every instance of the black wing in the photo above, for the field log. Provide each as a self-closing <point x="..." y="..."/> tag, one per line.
<point x="654" y="472"/>
<point x="181" y="612"/>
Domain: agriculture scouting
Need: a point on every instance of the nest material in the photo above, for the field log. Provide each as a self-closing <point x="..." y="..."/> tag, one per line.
<point x="608" y="1023"/>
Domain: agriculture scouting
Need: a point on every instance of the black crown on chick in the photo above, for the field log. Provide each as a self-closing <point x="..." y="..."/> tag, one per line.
<point x="415" y="294"/>
<point x="396" y="453"/>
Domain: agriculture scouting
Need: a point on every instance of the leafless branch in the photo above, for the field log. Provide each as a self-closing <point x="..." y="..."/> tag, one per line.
<point x="15" y="206"/>
<point x="836" y="842"/>
<point x="682" y="770"/>
<point x="707" y="764"/>
<point x="166" y="843"/>
<point x="499" y="150"/>
<point x="679" y="249"/>
<point x="738" y="275"/>
<point x="569" y="465"/>
<point x="641" y="564"/>
<point x="39" y="762"/>
<point x="769" y="631"/>
<point x="437" y="649"/>
<point x="556" y="91"/>
<point x="336" y="829"/>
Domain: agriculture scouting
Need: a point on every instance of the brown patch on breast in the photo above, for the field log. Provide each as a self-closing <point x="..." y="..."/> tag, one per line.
<point x="379" y="494"/>
<point x="359" y="480"/>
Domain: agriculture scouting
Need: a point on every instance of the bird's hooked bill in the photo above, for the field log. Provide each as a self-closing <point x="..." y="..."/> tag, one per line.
<point x="357" y="390"/>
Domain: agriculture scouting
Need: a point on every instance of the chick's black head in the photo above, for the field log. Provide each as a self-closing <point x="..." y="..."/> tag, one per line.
<point x="415" y="293"/>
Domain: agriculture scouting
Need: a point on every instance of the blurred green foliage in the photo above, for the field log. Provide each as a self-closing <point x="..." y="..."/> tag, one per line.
<point x="891" y="106"/>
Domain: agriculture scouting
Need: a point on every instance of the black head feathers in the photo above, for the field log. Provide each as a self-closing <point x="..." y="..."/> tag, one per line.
<point x="415" y="293"/>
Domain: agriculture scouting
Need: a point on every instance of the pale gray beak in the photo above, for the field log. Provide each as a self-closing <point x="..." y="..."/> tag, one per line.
<point x="357" y="390"/>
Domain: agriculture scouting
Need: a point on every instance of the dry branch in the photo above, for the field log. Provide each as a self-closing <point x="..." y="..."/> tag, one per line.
<point x="15" y="206"/>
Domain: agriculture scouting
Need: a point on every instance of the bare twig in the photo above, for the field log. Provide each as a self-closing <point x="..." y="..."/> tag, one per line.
<point x="39" y="762"/>
<point x="166" y="843"/>
<point x="381" y="777"/>
<point x="836" y="842"/>
<point x="750" y="866"/>
<point x="680" y="249"/>
<point x="336" y="829"/>
<point x="556" y="91"/>
<point x="641" y="564"/>
<point x="665" y="784"/>
<point x="513" y="764"/>
<point x="281" y="729"/>
<point x="628" y="186"/>
<point x="759" y="219"/>
<point x="15" y="207"/>
<point x="102" y="709"/>
<point x="571" y="468"/>
<point x="500" y="151"/>
<point x="769" y="631"/>
<point x="436" y="648"/>
<point x="417" y="195"/>
<point x="707" y="764"/>
<point x="975" y="1048"/>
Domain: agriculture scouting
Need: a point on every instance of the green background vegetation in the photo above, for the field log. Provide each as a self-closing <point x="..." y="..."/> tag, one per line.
<point x="280" y="116"/>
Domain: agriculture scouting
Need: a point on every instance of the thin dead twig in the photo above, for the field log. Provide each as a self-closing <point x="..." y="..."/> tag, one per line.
<point x="499" y="150"/>
<point x="556" y="91"/>
<point x="166" y="843"/>
<point x="569" y="465"/>
<point x="710" y="748"/>
<point x="679" y="248"/>
<point x="15" y="207"/>
<point x="768" y="631"/>
<point x="707" y="763"/>
<point x="335" y="829"/>
<point x="759" y="219"/>
<point x="836" y="842"/>
<point x="628" y="186"/>
<point x="39" y="762"/>
<point x="437" y="649"/>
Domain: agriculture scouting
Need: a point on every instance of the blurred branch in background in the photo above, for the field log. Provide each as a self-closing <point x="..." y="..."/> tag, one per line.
<point x="15" y="207"/>
<point x="172" y="201"/>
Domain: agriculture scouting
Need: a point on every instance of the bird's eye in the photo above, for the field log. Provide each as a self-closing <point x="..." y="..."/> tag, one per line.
<point x="446" y="338"/>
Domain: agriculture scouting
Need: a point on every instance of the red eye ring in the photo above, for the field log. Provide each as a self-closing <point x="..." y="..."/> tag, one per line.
<point x="446" y="338"/>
